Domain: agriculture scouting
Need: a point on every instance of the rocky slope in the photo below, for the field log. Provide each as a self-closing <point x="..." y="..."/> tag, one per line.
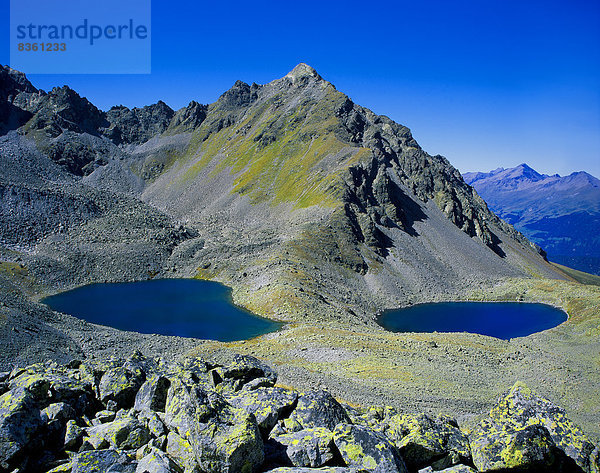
<point x="560" y="213"/>
<point x="148" y="415"/>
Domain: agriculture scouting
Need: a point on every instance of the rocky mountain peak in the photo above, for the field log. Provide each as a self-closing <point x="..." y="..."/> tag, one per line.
<point x="303" y="71"/>
<point x="12" y="83"/>
<point x="240" y="95"/>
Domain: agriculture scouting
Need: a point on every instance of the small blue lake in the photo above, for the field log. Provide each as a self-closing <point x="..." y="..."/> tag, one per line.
<point x="497" y="319"/>
<point x="182" y="307"/>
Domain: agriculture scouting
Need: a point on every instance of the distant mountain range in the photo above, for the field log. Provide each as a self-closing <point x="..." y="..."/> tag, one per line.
<point x="560" y="213"/>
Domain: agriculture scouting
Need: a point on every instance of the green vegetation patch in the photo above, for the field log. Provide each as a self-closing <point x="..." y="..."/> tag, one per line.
<point x="277" y="156"/>
<point x="579" y="276"/>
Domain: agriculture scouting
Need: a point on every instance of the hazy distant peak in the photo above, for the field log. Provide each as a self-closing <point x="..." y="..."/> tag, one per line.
<point x="582" y="177"/>
<point x="523" y="171"/>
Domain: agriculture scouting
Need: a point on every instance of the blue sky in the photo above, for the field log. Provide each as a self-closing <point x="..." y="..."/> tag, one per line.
<point x="484" y="83"/>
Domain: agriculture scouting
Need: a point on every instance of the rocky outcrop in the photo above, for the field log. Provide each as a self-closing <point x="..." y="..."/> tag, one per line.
<point x="62" y="109"/>
<point x="13" y="83"/>
<point x="525" y="431"/>
<point x="374" y="188"/>
<point x="138" y="125"/>
<point x="194" y="416"/>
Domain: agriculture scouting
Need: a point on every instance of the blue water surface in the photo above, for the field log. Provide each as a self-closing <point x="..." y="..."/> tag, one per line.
<point x="182" y="307"/>
<point x="504" y="320"/>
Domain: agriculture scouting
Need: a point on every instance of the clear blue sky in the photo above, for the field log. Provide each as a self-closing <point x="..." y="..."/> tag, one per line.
<point x="484" y="83"/>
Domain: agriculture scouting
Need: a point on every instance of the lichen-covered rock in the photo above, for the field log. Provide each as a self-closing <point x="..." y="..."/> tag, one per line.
<point x="157" y="462"/>
<point x="521" y="408"/>
<point x="121" y="384"/>
<point x="51" y="419"/>
<point x="595" y="460"/>
<point x="186" y="405"/>
<point x="180" y="450"/>
<point x="243" y="370"/>
<point x="125" y="433"/>
<point x="496" y="447"/>
<point x="223" y="438"/>
<point x="229" y="443"/>
<point x="155" y="424"/>
<point x="63" y="468"/>
<point x="73" y="436"/>
<point x="104" y="416"/>
<point x="58" y="411"/>
<point x="422" y="440"/>
<point x="58" y="384"/>
<point x="328" y="469"/>
<point x="267" y="404"/>
<point x="153" y="394"/>
<point x="452" y="469"/>
<point x="364" y="448"/>
<point x="317" y="409"/>
<point x="308" y="447"/>
<point x="20" y="421"/>
<point x="102" y="461"/>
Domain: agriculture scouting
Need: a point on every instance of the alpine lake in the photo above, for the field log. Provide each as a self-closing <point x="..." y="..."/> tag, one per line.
<point x="205" y="310"/>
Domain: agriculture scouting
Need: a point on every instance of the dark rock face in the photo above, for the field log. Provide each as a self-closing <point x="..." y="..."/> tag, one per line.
<point x="62" y="109"/>
<point x="80" y="418"/>
<point x="13" y="83"/>
<point x="240" y="95"/>
<point x="189" y="118"/>
<point x="60" y="119"/>
<point x="138" y="125"/>
<point x="373" y="190"/>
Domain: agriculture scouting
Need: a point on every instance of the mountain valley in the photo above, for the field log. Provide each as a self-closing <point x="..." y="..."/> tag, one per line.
<point x="315" y="210"/>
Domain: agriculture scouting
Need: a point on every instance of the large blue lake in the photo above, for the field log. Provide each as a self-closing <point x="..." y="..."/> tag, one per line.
<point x="497" y="319"/>
<point x="182" y="307"/>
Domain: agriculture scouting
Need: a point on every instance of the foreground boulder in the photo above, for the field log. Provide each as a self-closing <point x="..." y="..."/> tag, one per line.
<point x="126" y="433"/>
<point x="20" y="422"/>
<point x="363" y="448"/>
<point x="266" y="404"/>
<point x="102" y="461"/>
<point x="305" y="448"/>
<point x="423" y="440"/>
<point x="223" y="438"/>
<point x="524" y="431"/>
<point x="147" y="416"/>
<point x="317" y="409"/>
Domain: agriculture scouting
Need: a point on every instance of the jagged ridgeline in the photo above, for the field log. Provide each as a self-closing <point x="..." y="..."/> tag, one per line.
<point x="308" y="204"/>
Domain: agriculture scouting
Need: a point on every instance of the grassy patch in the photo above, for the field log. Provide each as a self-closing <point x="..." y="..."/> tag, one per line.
<point x="278" y="156"/>
<point x="579" y="276"/>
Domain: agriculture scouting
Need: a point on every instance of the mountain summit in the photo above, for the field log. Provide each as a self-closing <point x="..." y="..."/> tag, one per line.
<point x="302" y="70"/>
<point x="307" y="204"/>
